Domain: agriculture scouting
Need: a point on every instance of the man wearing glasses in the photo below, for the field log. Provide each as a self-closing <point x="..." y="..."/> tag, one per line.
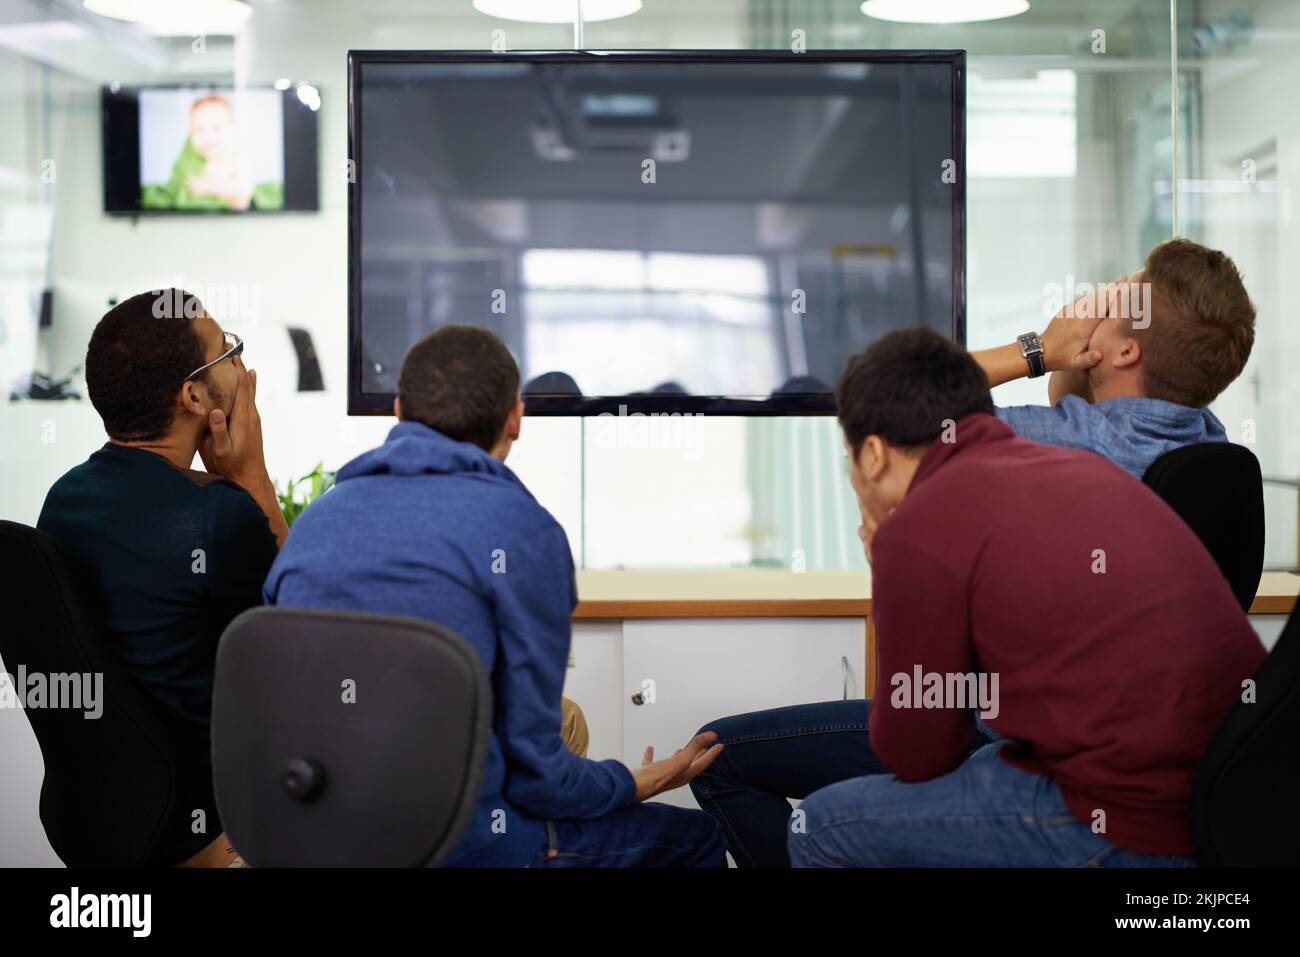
<point x="169" y="555"/>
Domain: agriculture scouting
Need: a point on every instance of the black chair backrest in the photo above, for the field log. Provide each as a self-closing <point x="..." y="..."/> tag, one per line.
<point x="1217" y="489"/>
<point x="110" y="787"/>
<point x="347" y="739"/>
<point x="1248" y="785"/>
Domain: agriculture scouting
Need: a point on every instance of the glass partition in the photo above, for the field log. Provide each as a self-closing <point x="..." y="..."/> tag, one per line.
<point x="1068" y="139"/>
<point x="1070" y="171"/>
<point x="1238" y="175"/>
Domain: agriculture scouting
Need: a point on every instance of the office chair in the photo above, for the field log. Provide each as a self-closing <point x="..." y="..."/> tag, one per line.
<point x="1217" y="489"/>
<point x="111" y="784"/>
<point x="347" y="739"/>
<point x="1248" y="785"/>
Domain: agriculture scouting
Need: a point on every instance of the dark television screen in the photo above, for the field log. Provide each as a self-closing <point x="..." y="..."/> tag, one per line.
<point x="188" y="149"/>
<point x="685" y="231"/>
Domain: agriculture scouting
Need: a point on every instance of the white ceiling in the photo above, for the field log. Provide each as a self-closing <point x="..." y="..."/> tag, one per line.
<point x="63" y="34"/>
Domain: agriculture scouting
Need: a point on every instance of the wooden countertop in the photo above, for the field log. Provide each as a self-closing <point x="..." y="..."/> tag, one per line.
<point x="1277" y="594"/>
<point x="757" y="593"/>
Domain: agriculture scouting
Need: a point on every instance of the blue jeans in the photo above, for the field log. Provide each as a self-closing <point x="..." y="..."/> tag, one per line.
<point x="643" y="835"/>
<point x="771" y="756"/>
<point x="985" y="813"/>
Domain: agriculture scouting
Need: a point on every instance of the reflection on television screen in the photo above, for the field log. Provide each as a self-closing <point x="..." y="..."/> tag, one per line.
<point x="703" y="227"/>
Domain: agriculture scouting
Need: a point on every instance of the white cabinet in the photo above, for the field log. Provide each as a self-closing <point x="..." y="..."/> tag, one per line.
<point x="595" y="681"/>
<point x="691" y="671"/>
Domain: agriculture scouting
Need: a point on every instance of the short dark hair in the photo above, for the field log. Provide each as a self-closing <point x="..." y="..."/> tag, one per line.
<point x="905" y="386"/>
<point x="461" y="381"/>
<point x="139" y="355"/>
<point x="1202" y="324"/>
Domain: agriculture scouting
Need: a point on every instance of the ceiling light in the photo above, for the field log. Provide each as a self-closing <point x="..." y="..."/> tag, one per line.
<point x="943" y="11"/>
<point x="309" y="96"/>
<point x="176" y="17"/>
<point x="557" y="11"/>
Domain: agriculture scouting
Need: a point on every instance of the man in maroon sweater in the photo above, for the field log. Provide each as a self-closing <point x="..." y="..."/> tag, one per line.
<point x="1044" y="590"/>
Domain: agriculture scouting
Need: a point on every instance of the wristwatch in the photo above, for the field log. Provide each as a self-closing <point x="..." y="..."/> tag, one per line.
<point x="1031" y="347"/>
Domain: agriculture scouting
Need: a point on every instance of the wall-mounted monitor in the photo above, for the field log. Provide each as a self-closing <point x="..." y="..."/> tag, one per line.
<point x="189" y="149"/>
<point x="680" y="231"/>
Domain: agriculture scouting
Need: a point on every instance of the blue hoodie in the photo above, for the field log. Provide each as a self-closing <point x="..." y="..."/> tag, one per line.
<point x="438" y="529"/>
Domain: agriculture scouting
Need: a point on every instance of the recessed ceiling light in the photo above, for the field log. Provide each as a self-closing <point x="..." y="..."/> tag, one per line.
<point x="943" y="11"/>
<point x="176" y="17"/>
<point x="557" y="11"/>
<point x="309" y="96"/>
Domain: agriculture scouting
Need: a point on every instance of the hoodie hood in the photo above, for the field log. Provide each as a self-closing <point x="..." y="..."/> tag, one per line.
<point x="415" y="449"/>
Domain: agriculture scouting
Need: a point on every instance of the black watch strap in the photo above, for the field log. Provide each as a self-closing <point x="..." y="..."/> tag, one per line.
<point x="1031" y="348"/>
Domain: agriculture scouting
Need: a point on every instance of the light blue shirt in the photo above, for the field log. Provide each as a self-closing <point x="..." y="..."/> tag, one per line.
<point x="1132" y="431"/>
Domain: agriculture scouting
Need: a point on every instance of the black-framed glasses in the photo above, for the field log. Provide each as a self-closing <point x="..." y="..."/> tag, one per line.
<point x="235" y="346"/>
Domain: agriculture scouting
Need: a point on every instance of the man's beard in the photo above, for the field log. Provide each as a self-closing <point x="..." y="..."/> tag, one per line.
<point x="218" y="398"/>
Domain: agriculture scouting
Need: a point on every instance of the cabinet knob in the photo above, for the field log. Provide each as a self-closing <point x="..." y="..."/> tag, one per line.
<point x="638" y="697"/>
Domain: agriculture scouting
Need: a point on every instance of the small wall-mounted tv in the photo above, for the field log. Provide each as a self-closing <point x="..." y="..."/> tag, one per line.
<point x="684" y="231"/>
<point x="190" y="149"/>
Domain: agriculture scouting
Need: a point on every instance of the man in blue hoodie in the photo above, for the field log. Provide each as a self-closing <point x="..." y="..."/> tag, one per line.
<point x="434" y="525"/>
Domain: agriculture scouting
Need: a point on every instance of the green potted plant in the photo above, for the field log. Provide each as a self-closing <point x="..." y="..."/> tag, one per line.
<point x="302" y="491"/>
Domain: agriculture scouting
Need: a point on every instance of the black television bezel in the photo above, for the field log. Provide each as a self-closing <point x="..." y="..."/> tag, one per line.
<point x="112" y="103"/>
<point x="818" y="403"/>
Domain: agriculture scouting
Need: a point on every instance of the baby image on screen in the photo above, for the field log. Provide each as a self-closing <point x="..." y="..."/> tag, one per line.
<point x="230" y="156"/>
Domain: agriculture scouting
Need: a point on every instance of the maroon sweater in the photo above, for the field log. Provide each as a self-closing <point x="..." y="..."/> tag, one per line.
<point x="1110" y="683"/>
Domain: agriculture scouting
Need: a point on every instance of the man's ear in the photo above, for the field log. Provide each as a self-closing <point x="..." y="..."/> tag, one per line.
<point x="515" y="420"/>
<point x="873" y="459"/>
<point x="397" y="408"/>
<point x="1130" y="353"/>
<point x="193" y="399"/>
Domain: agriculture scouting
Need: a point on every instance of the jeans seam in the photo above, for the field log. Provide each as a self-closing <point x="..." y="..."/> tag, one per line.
<point x="912" y="819"/>
<point x="734" y="844"/>
<point x="1057" y="820"/>
<point x="824" y="729"/>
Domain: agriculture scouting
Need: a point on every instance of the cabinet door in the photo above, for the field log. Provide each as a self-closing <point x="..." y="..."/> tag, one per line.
<point x="595" y="681"/>
<point x="691" y="671"/>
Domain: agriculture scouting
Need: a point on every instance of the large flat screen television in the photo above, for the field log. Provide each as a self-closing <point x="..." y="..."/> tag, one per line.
<point x="686" y="231"/>
<point x="192" y="149"/>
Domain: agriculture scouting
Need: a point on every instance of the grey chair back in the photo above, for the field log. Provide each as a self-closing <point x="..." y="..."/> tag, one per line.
<point x="347" y="739"/>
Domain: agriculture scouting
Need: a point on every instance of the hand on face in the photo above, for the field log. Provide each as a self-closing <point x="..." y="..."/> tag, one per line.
<point x="232" y="446"/>
<point x="1067" y="338"/>
<point x="867" y="530"/>
<point x="867" y="508"/>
